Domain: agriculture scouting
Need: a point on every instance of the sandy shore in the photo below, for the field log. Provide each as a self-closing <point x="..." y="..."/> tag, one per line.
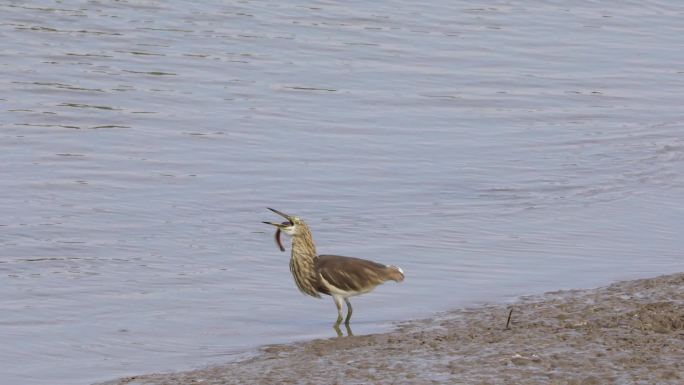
<point x="630" y="332"/>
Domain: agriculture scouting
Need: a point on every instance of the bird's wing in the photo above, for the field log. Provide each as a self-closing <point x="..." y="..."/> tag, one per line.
<point x="351" y="274"/>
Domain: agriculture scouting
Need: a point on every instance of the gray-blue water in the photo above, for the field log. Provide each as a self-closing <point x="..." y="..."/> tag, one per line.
<point x="490" y="149"/>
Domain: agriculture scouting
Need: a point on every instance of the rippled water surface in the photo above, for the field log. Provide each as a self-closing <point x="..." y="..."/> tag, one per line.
<point x="491" y="150"/>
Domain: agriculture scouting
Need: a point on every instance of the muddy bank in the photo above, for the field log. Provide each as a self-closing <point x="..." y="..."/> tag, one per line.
<point x="630" y="332"/>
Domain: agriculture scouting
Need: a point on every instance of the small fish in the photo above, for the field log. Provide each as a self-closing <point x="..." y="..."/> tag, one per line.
<point x="277" y="237"/>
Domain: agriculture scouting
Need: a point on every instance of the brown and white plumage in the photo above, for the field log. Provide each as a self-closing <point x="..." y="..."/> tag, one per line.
<point x="354" y="275"/>
<point x="334" y="275"/>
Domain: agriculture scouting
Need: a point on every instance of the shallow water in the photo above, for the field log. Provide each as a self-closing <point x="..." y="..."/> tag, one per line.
<point x="490" y="151"/>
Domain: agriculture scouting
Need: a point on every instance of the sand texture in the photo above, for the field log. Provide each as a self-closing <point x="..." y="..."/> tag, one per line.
<point x="631" y="332"/>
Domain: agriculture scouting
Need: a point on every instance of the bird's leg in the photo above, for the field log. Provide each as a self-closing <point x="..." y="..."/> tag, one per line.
<point x="349" y="312"/>
<point x="349" y="331"/>
<point x="338" y="303"/>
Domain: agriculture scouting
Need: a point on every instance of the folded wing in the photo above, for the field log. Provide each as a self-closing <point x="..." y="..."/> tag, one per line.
<point x="354" y="275"/>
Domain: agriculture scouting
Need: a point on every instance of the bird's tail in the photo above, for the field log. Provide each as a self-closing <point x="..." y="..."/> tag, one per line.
<point x="395" y="273"/>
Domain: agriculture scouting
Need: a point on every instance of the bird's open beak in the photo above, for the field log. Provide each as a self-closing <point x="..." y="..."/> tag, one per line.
<point x="282" y="214"/>
<point x="280" y="225"/>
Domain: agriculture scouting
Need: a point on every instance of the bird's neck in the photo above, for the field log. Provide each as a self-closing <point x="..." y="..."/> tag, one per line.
<point x="303" y="262"/>
<point x="303" y="245"/>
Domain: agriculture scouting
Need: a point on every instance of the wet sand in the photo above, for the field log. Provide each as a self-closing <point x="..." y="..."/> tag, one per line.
<point x="630" y="332"/>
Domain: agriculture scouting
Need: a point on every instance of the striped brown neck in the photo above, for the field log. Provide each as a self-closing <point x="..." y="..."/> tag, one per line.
<point x="303" y="261"/>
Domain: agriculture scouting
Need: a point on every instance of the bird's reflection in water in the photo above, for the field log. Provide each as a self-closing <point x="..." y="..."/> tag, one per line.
<point x="336" y="326"/>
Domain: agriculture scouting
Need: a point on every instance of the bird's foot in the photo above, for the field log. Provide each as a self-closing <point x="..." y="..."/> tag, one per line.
<point x="339" y="331"/>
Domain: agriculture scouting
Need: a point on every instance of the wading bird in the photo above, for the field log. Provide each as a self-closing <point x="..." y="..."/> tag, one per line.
<point x="334" y="275"/>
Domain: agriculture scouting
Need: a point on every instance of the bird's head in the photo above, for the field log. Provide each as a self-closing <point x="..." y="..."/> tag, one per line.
<point x="293" y="226"/>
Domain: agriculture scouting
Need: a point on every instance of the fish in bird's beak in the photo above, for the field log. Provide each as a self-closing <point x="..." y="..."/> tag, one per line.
<point x="280" y="226"/>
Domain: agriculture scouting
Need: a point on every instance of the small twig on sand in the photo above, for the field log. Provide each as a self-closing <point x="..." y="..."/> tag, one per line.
<point x="508" y="321"/>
